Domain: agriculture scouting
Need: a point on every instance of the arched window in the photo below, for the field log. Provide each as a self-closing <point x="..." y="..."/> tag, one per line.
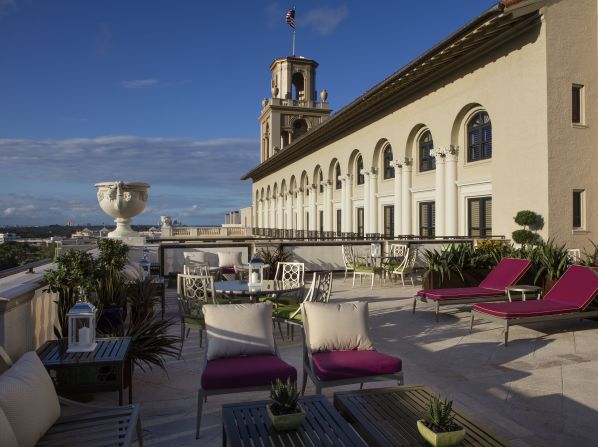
<point x="298" y="87"/>
<point x="479" y="137"/>
<point x="389" y="170"/>
<point x="299" y="128"/>
<point x="337" y="177"/>
<point x="426" y="144"/>
<point x="321" y="181"/>
<point x="359" y="168"/>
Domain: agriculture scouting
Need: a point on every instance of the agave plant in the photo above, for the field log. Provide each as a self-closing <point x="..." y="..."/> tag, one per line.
<point x="440" y="416"/>
<point x="590" y="259"/>
<point x="284" y="396"/>
<point x="272" y="257"/>
<point x="453" y="259"/>
<point x="552" y="260"/>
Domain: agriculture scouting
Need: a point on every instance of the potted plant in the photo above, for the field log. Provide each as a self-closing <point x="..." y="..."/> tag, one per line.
<point x="273" y="257"/>
<point x="110" y="298"/>
<point x="285" y="412"/>
<point x="552" y="261"/>
<point x="439" y="428"/>
<point x="142" y="295"/>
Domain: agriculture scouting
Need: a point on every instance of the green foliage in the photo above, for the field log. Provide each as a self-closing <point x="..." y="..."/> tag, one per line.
<point x="273" y="257"/>
<point x="551" y="259"/>
<point x="14" y="254"/>
<point x="590" y="259"/>
<point x="285" y="396"/>
<point x="525" y="237"/>
<point x="151" y="341"/>
<point x="527" y="218"/>
<point x="113" y="254"/>
<point x="440" y="416"/>
<point x="110" y="289"/>
<point x="142" y="295"/>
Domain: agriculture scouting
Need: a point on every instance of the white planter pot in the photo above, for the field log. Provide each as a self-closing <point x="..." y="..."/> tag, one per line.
<point x="123" y="201"/>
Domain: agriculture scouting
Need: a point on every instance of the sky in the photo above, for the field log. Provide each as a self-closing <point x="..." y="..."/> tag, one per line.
<point x="169" y="93"/>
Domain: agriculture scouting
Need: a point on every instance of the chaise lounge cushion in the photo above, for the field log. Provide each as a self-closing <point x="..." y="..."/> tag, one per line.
<point x="7" y="435"/>
<point x="458" y="293"/>
<point x="523" y="309"/>
<point x="246" y="371"/>
<point x="508" y="272"/>
<point x="238" y="329"/>
<point x="28" y="399"/>
<point x="339" y="365"/>
<point x="336" y="327"/>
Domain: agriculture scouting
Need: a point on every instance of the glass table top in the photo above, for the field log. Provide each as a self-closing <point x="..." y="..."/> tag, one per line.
<point x="264" y="288"/>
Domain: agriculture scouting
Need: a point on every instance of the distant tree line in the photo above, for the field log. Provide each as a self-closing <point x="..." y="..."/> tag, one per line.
<point x="59" y="230"/>
<point x="14" y="254"/>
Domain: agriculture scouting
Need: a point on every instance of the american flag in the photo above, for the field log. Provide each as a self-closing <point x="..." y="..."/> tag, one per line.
<point x="290" y="18"/>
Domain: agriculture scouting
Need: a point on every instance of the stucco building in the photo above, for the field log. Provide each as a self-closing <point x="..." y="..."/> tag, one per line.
<point x="495" y="119"/>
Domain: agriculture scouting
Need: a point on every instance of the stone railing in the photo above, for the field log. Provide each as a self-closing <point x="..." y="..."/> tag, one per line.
<point x="27" y="312"/>
<point x="204" y="232"/>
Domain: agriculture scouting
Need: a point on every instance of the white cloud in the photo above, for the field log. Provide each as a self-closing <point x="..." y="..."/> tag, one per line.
<point x="139" y="83"/>
<point x="197" y="180"/>
<point x="323" y="20"/>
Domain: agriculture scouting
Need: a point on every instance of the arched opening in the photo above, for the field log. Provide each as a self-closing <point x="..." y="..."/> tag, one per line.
<point x="359" y="176"/>
<point x="387" y="167"/>
<point x="425" y="147"/>
<point x="338" y="184"/>
<point x="299" y="128"/>
<point x="285" y="139"/>
<point x="479" y="137"/>
<point x="298" y="87"/>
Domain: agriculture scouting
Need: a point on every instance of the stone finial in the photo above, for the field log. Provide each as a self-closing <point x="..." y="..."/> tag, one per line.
<point x="324" y="95"/>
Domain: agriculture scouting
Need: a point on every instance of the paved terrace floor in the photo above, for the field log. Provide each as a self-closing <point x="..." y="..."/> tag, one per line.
<point x="541" y="390"/>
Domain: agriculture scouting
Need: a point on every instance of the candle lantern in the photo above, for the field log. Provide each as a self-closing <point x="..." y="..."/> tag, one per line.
<point x="145" y="263"/>
<point x="256" y="271"/>
<point x="82" y="327"/>
<point x="376" y="250"/>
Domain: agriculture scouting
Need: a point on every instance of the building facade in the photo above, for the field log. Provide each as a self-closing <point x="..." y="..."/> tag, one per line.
<point x="495" y="119"/>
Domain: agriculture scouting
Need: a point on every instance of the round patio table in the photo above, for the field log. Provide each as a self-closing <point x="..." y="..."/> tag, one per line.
<point x="267" y="288"/>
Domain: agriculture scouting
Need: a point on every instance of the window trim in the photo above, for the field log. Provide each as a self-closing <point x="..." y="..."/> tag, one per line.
<point x="359" y="177"/>
<point x="360" y="226"/>
<point x="482" y="229"/>
<point x="432" y="167"/>
<point x="581" y="105"/>
<point x="582" y="209"/>
<point x="432" y="227"/>
<point x="388" y="170"/>
<point x="338" y="184"/>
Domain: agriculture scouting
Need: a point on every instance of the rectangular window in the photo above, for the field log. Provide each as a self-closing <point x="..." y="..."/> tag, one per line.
<point x="306" y="223"/>
<point x="427" y="219"/>
<point x="360" y="222"/>
<point x="479" y="221"/>
<point x="389" y="221"/>
<point x="321" y="218"/>
<point x="577" y="104"/>
<point x="339" y="227"/>
<point x="578" y="209"/>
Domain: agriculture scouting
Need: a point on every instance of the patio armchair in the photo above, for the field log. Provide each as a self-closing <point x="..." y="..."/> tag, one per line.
<point x="292" y="273"/>
<point x="568" y="298"/>
<point x="338" y="350"/>
<point x="31" y="413"/>
<point x="193" y="292"/>
<point x="406" y="266"/>
<point x="396" y="255"/>
<point x="319" y="291"/>
<point x="348" y="258"/>
<point x="241" y="354"/>
<point x="507" y="273"/>
<point x="365" y="266"/>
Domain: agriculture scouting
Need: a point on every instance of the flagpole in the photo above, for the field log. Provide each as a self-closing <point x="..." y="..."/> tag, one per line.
<point x="293" y="42"/>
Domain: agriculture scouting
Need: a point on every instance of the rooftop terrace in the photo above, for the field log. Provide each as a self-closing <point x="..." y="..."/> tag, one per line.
<point x="538" y="391"/>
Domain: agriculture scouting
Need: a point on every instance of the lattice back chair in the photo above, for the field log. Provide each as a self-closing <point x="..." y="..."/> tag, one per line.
<point x="319" y="291"/>
<point x="406" y="267"/>
<point x="292" y="274"/>
<point x="348" y="258"/>
<point x="196" y="268"/>
<point x="398" y="251"/>
<point x="193" y="291"/>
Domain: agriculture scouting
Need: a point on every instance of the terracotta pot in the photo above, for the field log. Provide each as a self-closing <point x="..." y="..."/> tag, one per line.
<point x="286" y="422"/>
<point x="446" y="439"/>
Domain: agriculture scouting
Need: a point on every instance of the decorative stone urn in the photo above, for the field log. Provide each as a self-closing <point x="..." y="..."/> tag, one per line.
<point x="166" y="221"/>
<point x="123" y="201"/>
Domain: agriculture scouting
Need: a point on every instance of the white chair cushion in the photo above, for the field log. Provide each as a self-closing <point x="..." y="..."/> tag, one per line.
<point x="195" y="257"/>
<point x="7" y="435"/>
<point x="28" y="399"/>
<point x="239" y="329"/>
<point x="336" y="327"/>
<point x="229" y="259"/>
<point x="130" y="273"/>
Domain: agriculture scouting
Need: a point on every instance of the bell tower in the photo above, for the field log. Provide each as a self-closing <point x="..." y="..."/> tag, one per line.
<point x="294" y="108"/>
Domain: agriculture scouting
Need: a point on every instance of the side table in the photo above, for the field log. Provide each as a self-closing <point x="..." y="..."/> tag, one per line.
<point x="247" y="424"/>
<point x="104" y="369"/>
<point x="523" y="289"/>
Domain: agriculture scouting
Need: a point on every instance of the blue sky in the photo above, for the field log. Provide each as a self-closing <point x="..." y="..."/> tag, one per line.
<point x="168" y="92"/>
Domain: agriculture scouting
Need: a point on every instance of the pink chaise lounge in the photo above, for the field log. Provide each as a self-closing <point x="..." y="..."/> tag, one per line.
<point x="568" y="298"/>
<point x="507" y="273"/>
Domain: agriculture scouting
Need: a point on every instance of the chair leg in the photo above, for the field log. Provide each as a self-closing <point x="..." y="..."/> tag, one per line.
<point x="345" y="274"/>
<point x="372" y="286"/>
<point x="139" y="432"/>
<point x="304" y="381"/>
<point x="402" y="279"/>
<point x="414" y="303"/>
<point x="411" y="277"/>
<point x="200" y="396"/>
<point x="318" y="388"/>
<point x="182" y="339"/>
<point x="471" y="323"/>
<point x="200" y="337"/>
<point x="280" y="330"/>
<point x="506" y="333"/>
<point x="437" y="310"/>
<point x="361" y="386"/>
<point x="353" y="279"/>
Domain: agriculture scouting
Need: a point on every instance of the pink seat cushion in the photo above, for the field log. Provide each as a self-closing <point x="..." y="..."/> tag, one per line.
<point x="523" y="309"/>
<point x="577" y="287"/>
<point x="458" y="293"/>
<point x="227" y="270"/>
<point x="508" y="272"/>
<point x="339" y="365"/>
<point x="245" y="372"/>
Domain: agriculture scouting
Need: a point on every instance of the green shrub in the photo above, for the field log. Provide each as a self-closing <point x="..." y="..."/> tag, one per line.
<point x="524" y="237"/>
<point x="527" y="218"/>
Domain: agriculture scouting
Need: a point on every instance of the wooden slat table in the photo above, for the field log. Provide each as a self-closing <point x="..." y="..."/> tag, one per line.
<point x="105" y="366"/>
<point x="388" y="417"/>
<point x="247" y="424"/>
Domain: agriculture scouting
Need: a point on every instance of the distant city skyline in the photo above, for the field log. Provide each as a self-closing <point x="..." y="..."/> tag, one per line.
<point x="169" y="93"/>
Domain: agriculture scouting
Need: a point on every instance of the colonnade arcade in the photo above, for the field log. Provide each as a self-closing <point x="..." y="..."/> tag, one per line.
<point x="356" y="196"/>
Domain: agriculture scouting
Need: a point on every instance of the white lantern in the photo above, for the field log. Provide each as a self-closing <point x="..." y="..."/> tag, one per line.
<point x="376" y="250"/>
<point x="256" y="271"/>
<point x="145" y="263"/>
<point x="82" y="327"/>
